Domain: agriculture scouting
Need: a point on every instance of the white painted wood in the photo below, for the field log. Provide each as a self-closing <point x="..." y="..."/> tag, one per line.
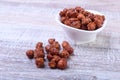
<point x="25" y="22"/>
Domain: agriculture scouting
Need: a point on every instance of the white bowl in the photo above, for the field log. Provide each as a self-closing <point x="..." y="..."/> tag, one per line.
<point x="81" y="36"/>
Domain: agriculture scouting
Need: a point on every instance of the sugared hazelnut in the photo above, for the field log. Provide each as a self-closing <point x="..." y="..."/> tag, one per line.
<point x="65" y="44"/>
<point x="52" y="64"/>
<point x="51" y="40"/>
<point x="62" y="64"/>
<point x="39" y="45"/>
<point x="86" y="21"/>
<point x="69" y="49"/>
<point x="39" y="54"/>
<point x="56" y="45"/>
<point x="80" y="16"/>
<point x="76" y="24"/>
<point x="47" y="48"/>
<point x="39" y="62"/>
<point x="54" y="51"/>
<point x="56" y="58"/>
<point x="49" y="57"/>
<point x="91" y="26"/>
<point x="65" y="54"/>
<point x="30" y="54"/>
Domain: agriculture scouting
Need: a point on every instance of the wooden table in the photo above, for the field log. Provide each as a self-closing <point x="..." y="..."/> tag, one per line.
<point x="25" y="22"/>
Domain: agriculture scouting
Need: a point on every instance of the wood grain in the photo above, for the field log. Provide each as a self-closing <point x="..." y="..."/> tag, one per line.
<point x="25" y="22"/>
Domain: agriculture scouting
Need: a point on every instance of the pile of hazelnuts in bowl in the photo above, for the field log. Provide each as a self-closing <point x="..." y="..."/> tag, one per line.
<point x="81" y="26"/>
<point x="56" y="55"/>
<point x="81" y="19"/>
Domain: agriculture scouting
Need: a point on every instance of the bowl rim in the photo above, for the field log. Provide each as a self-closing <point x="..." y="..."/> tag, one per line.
<point x="94" y="31"/>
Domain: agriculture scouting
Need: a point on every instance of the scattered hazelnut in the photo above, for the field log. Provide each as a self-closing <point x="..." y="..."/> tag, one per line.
<point x="52" y="64"/>
<point x="51" y="41"/>
<point x="56" y="45"/>
<point x="47" y="48"/>
<point x="39" y="62"/>
<point x="39" y="45"/>
<point x="30" y="54"/>
<point x="65" y="44"/>
<point x="55" y="58"/>
<point x="62" y="63"/>
<point x="65" y="54"/>
<point x="39" y="54"/>
<point x="49" y="57"/>
<point x="54" y="51"/>
<point x="69" y="49"/>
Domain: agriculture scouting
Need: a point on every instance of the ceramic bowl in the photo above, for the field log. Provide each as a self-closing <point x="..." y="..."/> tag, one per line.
<point x="81" y="36"/>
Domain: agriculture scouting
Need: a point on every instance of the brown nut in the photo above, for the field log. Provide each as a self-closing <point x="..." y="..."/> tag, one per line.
<point x="67" y="22"/>
<point x="56" y="58"/>
<point x="30" y="54"/>
<point x="69" y="49"/>
<point x="63" y="19"/>
<point x="51" y="41"/>
<point x="54" y="51"/>
<point x="38" y="54"/>
<point x="39" y="49"/>
<point x="65" y="44"/>
<point x="76" y="24"/>
<point x="62" y="64"/>
<point x="39" y="45"/>
<point x="79" y="9"/>
<point x="98" y="22"/>
<point x="63" y="13"/>
<point x="65" y="54"/>
<point x="47" y="48"/>
<point x="86" y="21"/>
<point x="80" y="16"/>
<point x="91" y="26"/>
<point x="56" y="45"/>
<point x="39" y="62"/>
<point x="52" y="64"/>
<point x="49" y="57"/>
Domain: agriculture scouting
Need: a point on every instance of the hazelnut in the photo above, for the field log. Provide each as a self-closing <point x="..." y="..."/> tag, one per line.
<point x="69" y="49"/>
<point x="56" y="45"/>
<point x="86" y="21"/>
<point x="49" y="57"/>
<point x="54" y="51"/>
<point x="30" y="54"/>
<point x="98" y="22"/>
<point x="56" y="58"/>
<point x="39" y="45"/>
<point x="52" y="64"/>
<point x="63" y="13"/>
<point x="76" y="24"/>
<point x="63" y="19"/>
<point x="65" y="54"/>
<point x="39" y="62"/>
<point x="67" y="22"/>
<point x="39" y="49"/>
<point x="62" y="64"/>
<point x="51" y="41"/>
<point x="65" y="44"/>
<point x="38" y="54"/>
<point x="91" y="26"/>
<point x="47" y="48"/>
<point x="80" y="16"/>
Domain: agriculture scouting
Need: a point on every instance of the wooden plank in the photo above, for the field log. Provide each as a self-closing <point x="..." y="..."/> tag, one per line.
<point x="25" y="22"/>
